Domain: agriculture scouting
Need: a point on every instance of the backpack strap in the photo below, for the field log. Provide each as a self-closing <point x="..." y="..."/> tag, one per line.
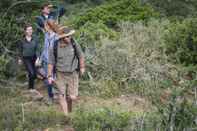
<point x="76" y="55"/>
<point x="73" y="42"/>
<point x="55" y="52"/>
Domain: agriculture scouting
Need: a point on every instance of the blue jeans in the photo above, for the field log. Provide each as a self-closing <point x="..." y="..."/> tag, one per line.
<point x="49" y="86"/>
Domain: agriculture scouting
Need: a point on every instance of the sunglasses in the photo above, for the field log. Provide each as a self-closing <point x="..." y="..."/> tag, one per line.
<point x="67" y="36"/>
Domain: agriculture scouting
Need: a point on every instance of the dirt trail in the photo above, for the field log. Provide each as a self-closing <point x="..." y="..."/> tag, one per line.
<point x="131" y="103"/>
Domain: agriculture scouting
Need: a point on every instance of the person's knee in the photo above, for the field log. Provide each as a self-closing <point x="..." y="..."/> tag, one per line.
<point x="61" y="97"/>
<point x="73" y="97"/>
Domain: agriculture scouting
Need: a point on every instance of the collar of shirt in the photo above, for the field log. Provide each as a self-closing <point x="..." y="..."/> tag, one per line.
<point x="46" y="16"/>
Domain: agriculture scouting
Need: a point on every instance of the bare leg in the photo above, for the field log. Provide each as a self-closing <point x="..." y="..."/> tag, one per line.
<point x="63" y="104"/>
<point x="69" y="100"/>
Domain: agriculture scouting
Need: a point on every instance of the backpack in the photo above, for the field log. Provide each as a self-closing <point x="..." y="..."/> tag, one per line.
<point x="55" y="51"/>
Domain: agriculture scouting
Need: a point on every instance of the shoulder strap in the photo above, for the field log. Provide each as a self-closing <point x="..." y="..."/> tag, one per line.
<point x="76" y="55"/>
<point x="75" y="48"/>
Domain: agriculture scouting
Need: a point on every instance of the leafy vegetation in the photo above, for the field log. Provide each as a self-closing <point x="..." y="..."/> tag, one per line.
<point x="181" y="42"/>
<point x="174" y="8"/>
<point x="18" y="114"/>
<point x="114" y="12"/>
<point x="130" y="49"/>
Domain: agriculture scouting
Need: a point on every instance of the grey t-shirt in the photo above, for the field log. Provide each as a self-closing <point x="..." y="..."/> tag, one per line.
<point x="66" y="59"/>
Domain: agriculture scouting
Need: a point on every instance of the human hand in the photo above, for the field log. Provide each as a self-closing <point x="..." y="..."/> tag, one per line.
<point x="20" y="62"/>
<point x="38" y="62"/>
<point x="50" y="5"/>
<point x="82" y="71"/>
<point x="50" y="80"/>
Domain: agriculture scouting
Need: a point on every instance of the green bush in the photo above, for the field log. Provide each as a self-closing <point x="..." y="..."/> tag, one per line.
<point x="105" y="119"/>
<point x="86" y="1"/>
<point x="7" y="69"/>
<point x="102" y="21"/>
<point x="90" y="34"/>
<point x="102" y="119"/>
<point x="181" y="42"/>
<point x="177" y="8"/>
<point x="114" y="12"/>
<point x="135" y="62"/>
<point x="176" y="110"/>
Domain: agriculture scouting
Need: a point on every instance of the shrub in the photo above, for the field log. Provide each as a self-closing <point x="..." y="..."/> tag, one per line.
<point x="135" y="62"/>
<point x="176" y="109"/>
<point x="179" y="8"/>
<point x="181" y="42"/>
<point x="7" y="70"/>
<point x="113" y="12"/>
<point x="102" y="119"/>
<point x="90" y="34"/>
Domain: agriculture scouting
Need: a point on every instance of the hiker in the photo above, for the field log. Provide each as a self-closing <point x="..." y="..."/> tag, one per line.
<point x="68" y="59"/>
<point x="47" y="14"/>
<point x="50" y="38"/>
<point x="28" y="52"/>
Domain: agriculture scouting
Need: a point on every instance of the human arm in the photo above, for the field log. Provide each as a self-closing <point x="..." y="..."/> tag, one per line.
<point x="82" y="65"/>
<point x="19" y="52"/>
<point x="80" y="56"/>
<point x="40" y="24"/>
<point x="58" y="12"/>
<point x="49" y="75"/>
<point x="37" y="46"/>
<point x="37" y="51"/>
<point x="51" y="63"/>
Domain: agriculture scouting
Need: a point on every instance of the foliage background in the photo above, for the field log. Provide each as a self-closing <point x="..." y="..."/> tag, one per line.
<point x="132" y="47"/>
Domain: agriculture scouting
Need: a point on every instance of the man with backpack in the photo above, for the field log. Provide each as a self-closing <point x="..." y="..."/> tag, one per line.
<point x="68" y="59"/>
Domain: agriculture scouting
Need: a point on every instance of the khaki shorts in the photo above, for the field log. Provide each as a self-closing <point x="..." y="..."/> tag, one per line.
<point x="67" y="83"/>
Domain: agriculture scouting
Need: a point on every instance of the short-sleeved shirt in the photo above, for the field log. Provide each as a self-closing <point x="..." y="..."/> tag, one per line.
<point x="67" y="60"/>
<point x="49" y="41"/>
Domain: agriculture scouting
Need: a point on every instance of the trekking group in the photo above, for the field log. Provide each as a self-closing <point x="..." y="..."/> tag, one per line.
<point x="59" y="63"/>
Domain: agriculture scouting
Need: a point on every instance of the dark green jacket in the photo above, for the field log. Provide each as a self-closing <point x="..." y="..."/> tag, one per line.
<point x="28" y="48"/>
